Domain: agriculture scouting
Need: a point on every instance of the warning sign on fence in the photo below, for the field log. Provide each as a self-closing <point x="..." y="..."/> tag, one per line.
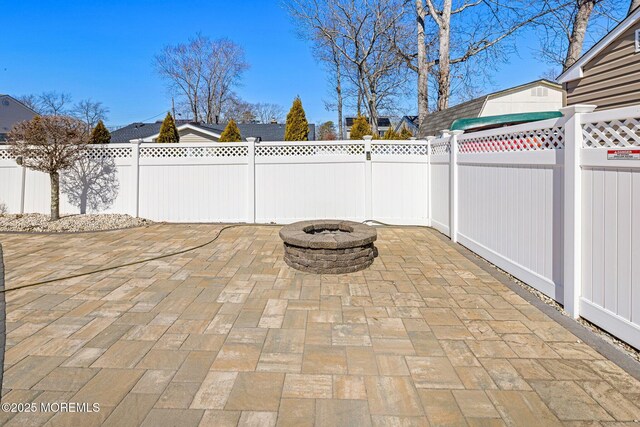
<point x="623" y="154"/>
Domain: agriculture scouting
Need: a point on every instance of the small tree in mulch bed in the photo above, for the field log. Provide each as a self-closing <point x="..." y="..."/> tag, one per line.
<point x="297" y="127"/>
<point x="168" y="131"/>
<point x="100" y="134"/>
<point x="231" y="133"/>
<point x="49" y="144"/>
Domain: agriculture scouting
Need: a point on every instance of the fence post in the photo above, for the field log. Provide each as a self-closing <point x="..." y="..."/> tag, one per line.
<point x="368" y="190"/>
<point x="453" y="184"/>
<point x="135" y="164"/>
<point x="251" y="180"/>
<point x="572" y="239"/>
<point x="429" y="179"/>
<point x="23" y="186"/>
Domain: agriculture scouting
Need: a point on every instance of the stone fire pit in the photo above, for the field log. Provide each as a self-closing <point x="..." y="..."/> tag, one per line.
<point x="329" y="246"/>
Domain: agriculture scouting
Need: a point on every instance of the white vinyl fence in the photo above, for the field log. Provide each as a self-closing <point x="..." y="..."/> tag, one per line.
<point x="556" y="203"/>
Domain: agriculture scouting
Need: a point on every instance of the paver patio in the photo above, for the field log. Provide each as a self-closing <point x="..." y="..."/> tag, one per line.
<point x="230" y="335"/>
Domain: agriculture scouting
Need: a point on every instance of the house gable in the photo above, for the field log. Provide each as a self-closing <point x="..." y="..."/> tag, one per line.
<point x="12" y="111"/>
<point x="541" y="96"/>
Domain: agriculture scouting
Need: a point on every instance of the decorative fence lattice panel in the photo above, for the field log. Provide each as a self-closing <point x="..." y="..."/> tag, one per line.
<point x="614" y="133"/>
<point x="108" y="152"/>
<point x="4" y="155"/>
<point x="400" y="149"/>
<point x="309" y="150"/>
<point x="440" y="147"/>
<point x="194" y="152"/>
<point x="532" y="140"/>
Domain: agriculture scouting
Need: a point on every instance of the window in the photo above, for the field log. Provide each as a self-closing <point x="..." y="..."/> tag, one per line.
<point x="539" y="91"/>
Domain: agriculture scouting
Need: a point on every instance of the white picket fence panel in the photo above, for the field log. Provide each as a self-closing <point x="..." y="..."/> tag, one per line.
<point x="540" y="200"/>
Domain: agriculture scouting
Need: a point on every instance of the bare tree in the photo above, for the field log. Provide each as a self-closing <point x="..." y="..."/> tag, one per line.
<point x="90" y="112"/>
<point x="204" y="71"/>
<point x="480" y="26"/>
<point x="49" y="144"/>
<point x="357" y="30"/>
<point x="564" y="34"/>
<point x="54" y="103"/>
<point x="266" y="113"/>
<point x="31" y="101"/>
<point x="238" y="110"/>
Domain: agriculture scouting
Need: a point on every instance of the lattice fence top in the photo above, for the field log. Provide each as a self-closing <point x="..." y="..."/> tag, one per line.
<point x="612" y="133"/>
<point x="400" y="149"/>
<point x="440" y="147"/>
<point x="222" y="150"/>
<point x="309" y="150"/>
<point x="4" y="154"/>
<point x="99" y="152"/>
<point x="531" y="140"/>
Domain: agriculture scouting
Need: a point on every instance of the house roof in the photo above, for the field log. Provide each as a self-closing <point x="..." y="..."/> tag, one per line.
<point x="440" y="120"/>
<point x="576" y="70"/>
<point x="265" y="132"/>
<point x="382" y="121"/>
<point x="411" y="122"/>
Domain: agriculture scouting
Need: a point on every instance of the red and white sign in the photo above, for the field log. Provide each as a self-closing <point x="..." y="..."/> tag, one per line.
<point x="623" y="154"/>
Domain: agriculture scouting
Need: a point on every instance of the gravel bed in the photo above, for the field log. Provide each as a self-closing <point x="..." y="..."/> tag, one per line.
<point x="68" y="223"/>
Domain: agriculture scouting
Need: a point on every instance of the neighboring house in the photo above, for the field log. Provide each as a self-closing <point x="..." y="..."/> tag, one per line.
<point x="12" y="111"/>
<point x="200" y="132"/>
<point x="384" y="123"/>
<point x="409" y="122"/>
<point x="540" y="95"/>
<point x="608" y="74"/>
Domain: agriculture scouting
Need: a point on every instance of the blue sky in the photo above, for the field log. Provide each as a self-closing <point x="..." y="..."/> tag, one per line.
<point x="104" y="50"/>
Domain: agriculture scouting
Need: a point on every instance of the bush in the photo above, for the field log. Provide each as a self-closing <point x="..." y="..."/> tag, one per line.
<point x="297" y="127"/>
<point x="405" y="134"/>
<point x="168" y="131"/>
<point x="100" y="134"/>
<point x="391" y="134"/>
<point x="231" y="133"/>
<point x="360" y="128"/>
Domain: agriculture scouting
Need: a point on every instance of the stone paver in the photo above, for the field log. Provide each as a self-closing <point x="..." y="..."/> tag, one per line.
<point x="229" y="335"/>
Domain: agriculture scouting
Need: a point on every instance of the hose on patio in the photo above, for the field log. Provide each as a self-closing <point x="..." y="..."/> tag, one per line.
<point x="180" y="252"/>
<point x="128" y="264"/>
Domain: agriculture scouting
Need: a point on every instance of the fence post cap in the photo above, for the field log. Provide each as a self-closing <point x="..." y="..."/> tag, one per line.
<point x="456" y="132"/>
<point x="367" y="137"/>
<point x="577" y="108"/>
<point x="430" y="138"/>
<point x="412" y="138"/>
<point x="252" y="140"/>
<point x="136" y="141"/>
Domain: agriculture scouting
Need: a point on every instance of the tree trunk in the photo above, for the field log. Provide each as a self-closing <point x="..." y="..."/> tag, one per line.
<point x="336" y="60"/>
<point x="633" y="6"/>
<point x="444" y="64"/>
<point x="423" y="76"/>
<point x="578" y="32"/>
<point x="55" y="196"/>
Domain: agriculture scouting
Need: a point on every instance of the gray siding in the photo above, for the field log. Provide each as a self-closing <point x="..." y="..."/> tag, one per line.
<point x="12" y="112"/>
<point x="612" y="78"/>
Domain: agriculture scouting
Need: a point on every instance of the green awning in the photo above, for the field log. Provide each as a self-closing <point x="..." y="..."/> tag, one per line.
<point x="490" y="122"/>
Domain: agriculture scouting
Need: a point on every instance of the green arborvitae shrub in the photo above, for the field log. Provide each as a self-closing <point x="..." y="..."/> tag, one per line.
<point x="231" y="133"/>
<point x="405" y="133"/>
<point x="100" y="134"/>
<point x="168" y="131"/>
<point x="390" y="134"/>
<point x="297" y="127"/>
<point x="360" y="128"/>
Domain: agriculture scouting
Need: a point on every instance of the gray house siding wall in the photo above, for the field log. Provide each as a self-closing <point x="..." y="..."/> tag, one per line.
<point x="11" y="113"/>
<point x="612" y="78"/>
